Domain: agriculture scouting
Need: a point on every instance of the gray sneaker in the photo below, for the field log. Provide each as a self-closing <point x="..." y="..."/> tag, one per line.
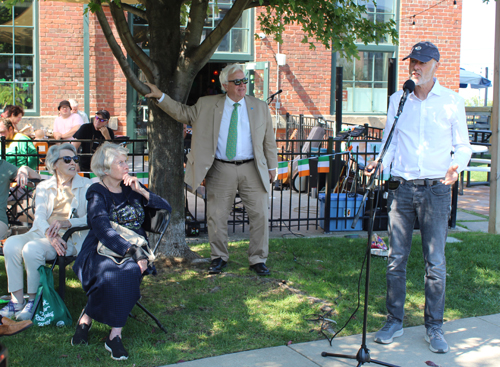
<point x="11" y="309"/>
<point x="392" y="329"/>
<point x="27" y="312"/>
<point x="437" y="343"/>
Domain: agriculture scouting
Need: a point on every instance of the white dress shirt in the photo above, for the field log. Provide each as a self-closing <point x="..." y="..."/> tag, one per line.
<point x="426" y="134"/>
<point x="244" y="148"/>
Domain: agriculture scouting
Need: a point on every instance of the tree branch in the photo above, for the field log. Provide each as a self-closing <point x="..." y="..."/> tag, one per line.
<point x="117" y="51"/>
<point x="194" y="28"/>
<point x="208" y="47"/>
<point x="135" y="52"/>
<point x="133" y="10"/>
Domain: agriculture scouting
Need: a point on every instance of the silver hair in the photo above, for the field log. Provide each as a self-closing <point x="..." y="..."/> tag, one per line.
<point x="73" y="102"/>
<point x="229" y="69"/>
<point x="104" y="157"/>
<point x="53" y="155"/>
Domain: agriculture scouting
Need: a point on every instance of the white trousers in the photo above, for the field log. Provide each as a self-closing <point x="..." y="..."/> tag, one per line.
<point x="34" y="249"/>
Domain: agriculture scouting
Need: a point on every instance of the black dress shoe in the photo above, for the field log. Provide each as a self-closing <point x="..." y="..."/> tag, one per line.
<point x="260" y="269"/>
<point x="216" y="266"/>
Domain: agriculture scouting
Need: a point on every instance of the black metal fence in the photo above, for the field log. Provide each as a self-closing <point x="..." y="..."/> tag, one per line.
<point x="319" y="200"/>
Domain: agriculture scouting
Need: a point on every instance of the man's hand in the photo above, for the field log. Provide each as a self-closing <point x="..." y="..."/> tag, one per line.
<point x="272" y="175"/>
<point x="370" y="168"/>
<point x="57" y="136"/>
<point x="58" y="244"/>
<point x="22" y="177"/>
<point x="451" y="175"/>
<point x="105" y="132"/>
<point x="155" y="92"/>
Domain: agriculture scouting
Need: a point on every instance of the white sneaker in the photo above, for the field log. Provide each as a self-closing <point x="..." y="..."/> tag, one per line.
<point x="11" y="309"/>
<point x="27" y="312"/>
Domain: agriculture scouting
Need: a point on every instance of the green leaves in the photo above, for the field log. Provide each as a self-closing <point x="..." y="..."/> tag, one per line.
<point x="336" y="25"/>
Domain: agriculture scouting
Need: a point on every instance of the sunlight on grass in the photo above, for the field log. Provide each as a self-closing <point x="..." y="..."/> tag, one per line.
<point x="212" y="315"/>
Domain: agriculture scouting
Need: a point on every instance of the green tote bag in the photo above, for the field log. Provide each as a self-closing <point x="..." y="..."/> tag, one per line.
<point x="50" y="309"/>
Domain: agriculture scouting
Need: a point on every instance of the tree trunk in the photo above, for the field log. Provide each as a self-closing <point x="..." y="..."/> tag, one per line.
<point x="165" y="135"/>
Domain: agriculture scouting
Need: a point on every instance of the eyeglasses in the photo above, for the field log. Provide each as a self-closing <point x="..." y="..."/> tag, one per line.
<point x="239" y="81"/>
<point x="100" y="119"/>
<point x="67" y="159"/>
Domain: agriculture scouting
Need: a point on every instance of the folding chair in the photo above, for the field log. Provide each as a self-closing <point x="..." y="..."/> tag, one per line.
<point x="21" y="202"/>
<point x="63" y="261"/>
<point x="157" y="221"/>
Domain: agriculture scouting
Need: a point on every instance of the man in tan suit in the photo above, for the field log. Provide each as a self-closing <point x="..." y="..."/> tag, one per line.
<point x="233" y="148"/>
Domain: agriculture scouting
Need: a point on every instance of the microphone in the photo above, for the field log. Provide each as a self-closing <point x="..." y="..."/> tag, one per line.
<point x="275" y="94"/>
<point x="271" y="97"/>
<point x="408" y="88"/>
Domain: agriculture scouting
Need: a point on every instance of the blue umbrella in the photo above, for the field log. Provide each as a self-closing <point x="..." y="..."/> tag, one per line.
<point x="476" y="81"/>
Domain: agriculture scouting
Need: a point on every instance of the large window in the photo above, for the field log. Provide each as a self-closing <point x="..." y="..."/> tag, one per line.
<point x="17" y="55"/>
<point x="238" y="38"/>
<point x="365" y="82"/>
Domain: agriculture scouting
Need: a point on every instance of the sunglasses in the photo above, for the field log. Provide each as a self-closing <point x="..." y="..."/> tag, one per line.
<point x="100" y="119"/>
<point x="239" y="81"/>
<point x="67" y="159"/>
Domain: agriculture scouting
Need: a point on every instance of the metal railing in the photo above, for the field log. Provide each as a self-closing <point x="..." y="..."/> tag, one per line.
<point x="320" y="200"/>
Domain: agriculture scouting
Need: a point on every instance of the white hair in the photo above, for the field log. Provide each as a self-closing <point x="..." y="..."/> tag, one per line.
<point x="73" y="103"/>
<point x="229" y="69"/>
<point x="53" y="155"/>
<point x="104" y="157"/>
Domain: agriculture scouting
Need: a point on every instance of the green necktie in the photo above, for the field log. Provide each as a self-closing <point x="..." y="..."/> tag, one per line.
<point x="232" y="135"/>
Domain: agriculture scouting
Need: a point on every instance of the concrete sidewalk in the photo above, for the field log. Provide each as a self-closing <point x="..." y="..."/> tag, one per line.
<point x="474" y="342"/>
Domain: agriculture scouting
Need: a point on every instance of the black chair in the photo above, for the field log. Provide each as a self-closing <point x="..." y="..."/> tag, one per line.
<point x="63" y="261"/>
<point x="157" y="221"/>
<point x="21" y="204"/>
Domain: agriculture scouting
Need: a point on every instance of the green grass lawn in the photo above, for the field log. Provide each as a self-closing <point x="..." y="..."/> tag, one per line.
<point x="213" y="315"/>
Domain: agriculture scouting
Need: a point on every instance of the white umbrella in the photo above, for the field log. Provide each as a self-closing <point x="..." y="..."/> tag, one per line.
<point x="475" y="80"/>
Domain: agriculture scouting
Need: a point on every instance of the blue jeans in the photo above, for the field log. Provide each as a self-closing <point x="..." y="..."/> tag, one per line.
<point x="431" y="205"/>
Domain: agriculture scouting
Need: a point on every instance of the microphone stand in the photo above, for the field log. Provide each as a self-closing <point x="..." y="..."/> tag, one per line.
<point x="363" y="355"/>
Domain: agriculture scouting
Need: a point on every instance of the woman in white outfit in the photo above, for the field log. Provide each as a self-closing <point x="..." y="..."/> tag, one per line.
<point x="59" y="204"/>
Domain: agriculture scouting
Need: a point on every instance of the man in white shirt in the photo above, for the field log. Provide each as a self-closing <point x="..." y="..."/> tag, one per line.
<point x="233" y="149"/>
<point x="67" y="123"/>
<point x="429" y="149"/>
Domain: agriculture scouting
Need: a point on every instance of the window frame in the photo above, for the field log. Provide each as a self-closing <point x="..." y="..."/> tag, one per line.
<point x="35" y="110"/>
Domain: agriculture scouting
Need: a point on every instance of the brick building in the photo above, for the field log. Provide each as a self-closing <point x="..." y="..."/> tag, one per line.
<point x="56" y="52"/>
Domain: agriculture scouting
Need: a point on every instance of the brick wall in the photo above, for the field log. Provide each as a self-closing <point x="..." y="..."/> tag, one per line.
<point x="440" y="25"/>
<point x="62" y="63"/>
<point x="306" y="77"/>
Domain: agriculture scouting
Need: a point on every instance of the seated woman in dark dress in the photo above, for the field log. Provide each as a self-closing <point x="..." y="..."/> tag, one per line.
<point x="112" y="289"/>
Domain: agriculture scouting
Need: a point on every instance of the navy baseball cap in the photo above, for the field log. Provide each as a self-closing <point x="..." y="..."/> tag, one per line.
<point x="424" y="51"/>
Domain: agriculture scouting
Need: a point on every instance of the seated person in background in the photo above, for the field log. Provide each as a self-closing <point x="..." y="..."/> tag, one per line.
<point x="112" y="289"/>
<point x="14" y="114"/>
<point x="9" y="173"/>
<point x="98" y="131"/>
<point x="74" y="109"/>
<point x="56" y="200"/>
<point x="18" y="153"/>
<point x="67" y="123"/>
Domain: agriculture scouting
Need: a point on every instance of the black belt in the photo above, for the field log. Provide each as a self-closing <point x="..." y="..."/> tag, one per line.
<point x="237" y="163"/>
<point x="419" y="182"/>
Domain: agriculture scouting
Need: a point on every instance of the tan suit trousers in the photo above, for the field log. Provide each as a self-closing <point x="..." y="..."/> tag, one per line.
<point x="222" y="182"/>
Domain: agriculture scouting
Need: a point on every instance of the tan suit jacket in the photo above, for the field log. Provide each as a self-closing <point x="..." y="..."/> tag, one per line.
<point x="205" y="118"/>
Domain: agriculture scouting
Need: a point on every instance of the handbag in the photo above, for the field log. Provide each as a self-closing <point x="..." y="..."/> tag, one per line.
<point x="131" y="237"/>
<point x="50" y="307"/>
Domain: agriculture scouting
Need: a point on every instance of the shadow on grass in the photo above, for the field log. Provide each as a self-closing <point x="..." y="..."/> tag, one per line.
<point x="212" y="315"/>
